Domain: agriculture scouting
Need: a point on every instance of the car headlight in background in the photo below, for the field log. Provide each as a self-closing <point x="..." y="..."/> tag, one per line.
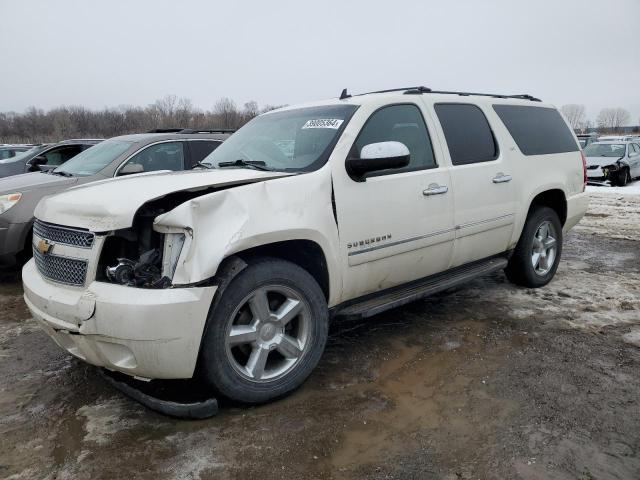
<point x="9" y="200"/>
<point x="173" y="243"/>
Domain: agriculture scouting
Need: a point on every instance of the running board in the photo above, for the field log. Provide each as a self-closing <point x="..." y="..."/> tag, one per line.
<point x="371" y="305"/>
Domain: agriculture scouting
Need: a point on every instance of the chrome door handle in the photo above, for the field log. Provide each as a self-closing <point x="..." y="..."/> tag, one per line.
<point x="435" y="189"/>
<point x="501" y="178"/>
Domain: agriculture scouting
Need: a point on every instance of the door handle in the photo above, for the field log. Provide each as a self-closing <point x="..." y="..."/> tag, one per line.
<point x="435" y="189"/>
<point x="501" y="178"/>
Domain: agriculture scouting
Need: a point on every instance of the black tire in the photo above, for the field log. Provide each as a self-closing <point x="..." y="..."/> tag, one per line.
<point x="218" y="367"/>
<point x="520" y="269"/>
<point x="622" y="178"/>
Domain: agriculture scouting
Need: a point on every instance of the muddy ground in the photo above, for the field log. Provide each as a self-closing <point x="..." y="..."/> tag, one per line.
<point x="489" y="381"/>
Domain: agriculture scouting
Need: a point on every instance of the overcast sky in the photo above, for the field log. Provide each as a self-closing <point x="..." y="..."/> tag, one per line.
<point x="105" y="53"/>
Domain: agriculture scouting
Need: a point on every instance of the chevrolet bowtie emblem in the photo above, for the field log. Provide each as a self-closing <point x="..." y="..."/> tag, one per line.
<point x="44" y="247"/>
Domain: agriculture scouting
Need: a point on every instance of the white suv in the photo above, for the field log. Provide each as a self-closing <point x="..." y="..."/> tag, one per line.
<point x="348" y="206"/>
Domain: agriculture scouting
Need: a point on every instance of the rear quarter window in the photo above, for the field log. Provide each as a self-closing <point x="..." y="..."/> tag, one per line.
<point x="537" y="130"/>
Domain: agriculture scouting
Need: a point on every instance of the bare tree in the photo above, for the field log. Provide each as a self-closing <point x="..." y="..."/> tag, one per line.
<point x="575" y="115"/>
<point x="35" y="125"/>
<point x="227" y="112"/>
<point x="611" y="119"/>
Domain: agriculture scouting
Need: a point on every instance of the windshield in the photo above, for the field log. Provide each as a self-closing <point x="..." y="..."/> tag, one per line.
<point x="605" y="150"/>
<point x="294" y="140"/>
<point x="24" y="155"/>
<point x="94" y="159"/>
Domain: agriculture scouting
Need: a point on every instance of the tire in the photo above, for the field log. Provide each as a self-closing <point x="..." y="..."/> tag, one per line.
<point x="252" y="361"/>
<point x="623" y="177"/>
<point x="524" y="267"/>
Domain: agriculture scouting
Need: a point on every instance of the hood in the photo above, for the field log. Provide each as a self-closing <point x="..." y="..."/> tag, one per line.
<point x="34" y="181"/>
<point x="601" y="161"/>
<point x="111" y="204"/>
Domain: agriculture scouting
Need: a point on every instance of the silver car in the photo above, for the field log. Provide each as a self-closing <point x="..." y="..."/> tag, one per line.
<point x="125" y="155"/>
<point x="616" y="161"/>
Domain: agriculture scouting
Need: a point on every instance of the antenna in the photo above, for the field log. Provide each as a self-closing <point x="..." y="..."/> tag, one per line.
<point x="344" y="94"/>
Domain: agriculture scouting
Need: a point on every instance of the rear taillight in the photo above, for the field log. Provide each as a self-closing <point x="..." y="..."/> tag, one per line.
<point x="584" y="170"/>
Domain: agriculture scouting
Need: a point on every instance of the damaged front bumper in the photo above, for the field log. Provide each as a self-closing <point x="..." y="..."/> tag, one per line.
<point x="146" y="333"/>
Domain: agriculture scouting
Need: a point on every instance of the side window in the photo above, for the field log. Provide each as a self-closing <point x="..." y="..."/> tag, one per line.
<point x="636" y="149"/>
<point x="399" y="123"/>
<point x="162" y="156"/>
<point x="537" y="130"/>
<point x="468" y="134"/>
<point x="58" y="156"/>
<point x="201" y="148"/>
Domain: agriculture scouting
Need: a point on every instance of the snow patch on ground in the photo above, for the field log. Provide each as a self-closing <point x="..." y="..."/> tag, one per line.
<point x="632" y="188"/>
<point x="633" y="337"/>
<point x="103" y="420"/>
<point x="612" y="215"/>
<point x="197" y="454"/>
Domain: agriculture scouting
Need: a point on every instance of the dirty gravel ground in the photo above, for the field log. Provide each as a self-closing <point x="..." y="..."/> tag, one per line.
<point x="488" y="381"/>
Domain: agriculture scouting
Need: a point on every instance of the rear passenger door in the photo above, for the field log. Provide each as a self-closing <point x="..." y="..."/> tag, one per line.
<point x="481" y="178"/>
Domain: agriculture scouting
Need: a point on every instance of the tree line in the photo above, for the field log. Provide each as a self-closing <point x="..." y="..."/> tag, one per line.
<point x="36" y="125"/>
<point x="609" y="120"/>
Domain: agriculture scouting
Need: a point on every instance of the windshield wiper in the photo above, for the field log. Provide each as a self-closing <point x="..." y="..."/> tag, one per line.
<point x="61" y="173"/>
<point x="203" y="165"/>
<point x="255" y="164"/>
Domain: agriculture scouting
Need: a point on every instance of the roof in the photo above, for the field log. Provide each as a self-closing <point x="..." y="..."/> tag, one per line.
<point x="404" y="95"/>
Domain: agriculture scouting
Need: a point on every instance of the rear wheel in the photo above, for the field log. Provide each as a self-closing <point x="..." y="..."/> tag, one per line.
<point x="266" y="333"/>
<point x="535" y="259"/>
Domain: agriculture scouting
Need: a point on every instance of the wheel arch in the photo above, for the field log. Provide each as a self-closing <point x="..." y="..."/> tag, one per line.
<point x="554" y="198"/>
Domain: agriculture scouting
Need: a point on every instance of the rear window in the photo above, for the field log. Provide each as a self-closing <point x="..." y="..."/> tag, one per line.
<point x="537" y="130"/>
<point x="468" y="134"/>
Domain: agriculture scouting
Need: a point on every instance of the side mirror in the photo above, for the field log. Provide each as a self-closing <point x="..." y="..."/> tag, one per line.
<point x="36" y="162"/>
<point x="131" y="168"/>
<point x="378" y="156"/>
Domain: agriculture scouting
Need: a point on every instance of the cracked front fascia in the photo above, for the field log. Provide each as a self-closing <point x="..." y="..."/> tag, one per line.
<point x="229" y="221"/>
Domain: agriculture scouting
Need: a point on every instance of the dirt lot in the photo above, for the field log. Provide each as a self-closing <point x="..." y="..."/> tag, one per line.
<point x="488" y="381"/>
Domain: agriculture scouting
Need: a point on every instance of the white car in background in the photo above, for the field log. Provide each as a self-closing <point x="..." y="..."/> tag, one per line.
<point x="615" y="161"/>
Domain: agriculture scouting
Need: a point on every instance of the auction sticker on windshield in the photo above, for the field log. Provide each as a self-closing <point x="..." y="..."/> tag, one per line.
<point x="333" y="123"/>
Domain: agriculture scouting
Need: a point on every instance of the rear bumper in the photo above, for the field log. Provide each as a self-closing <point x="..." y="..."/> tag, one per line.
<point x="140" y="332"/>
<point x="577" y="206"/>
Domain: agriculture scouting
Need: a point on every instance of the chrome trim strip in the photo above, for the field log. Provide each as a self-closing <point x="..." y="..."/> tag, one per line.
<point x="400" y="242"/>
<point x="480" y="222"/>
<point x="428" y="235"/>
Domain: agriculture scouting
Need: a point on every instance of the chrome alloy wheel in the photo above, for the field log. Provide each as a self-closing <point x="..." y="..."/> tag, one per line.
<point x="268" y="333"/>
<point x="544" y="251"/>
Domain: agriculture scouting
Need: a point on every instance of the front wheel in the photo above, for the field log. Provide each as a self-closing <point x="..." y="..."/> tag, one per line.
<point x="266" y="333"/>
<point x="623" y="177"/>
<point x="536" y="257"/>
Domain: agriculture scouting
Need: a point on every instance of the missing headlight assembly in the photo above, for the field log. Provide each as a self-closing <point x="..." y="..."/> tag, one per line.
<point x="139" y="256"/>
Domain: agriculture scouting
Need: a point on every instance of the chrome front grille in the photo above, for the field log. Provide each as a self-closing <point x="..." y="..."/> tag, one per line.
<point x="71" y="271"/>
<point x="63" y="235"/>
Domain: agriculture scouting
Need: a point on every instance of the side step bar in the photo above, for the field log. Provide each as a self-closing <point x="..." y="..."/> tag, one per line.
<point x="371" y="305"/>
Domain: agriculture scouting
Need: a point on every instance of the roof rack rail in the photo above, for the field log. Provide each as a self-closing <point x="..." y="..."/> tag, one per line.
<point x="204" y="130"/>
<point x="421" y="90"/>
<point x="165" y="130"/>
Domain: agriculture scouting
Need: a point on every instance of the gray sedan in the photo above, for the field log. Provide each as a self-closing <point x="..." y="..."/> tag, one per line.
<point x="125" y="155"/>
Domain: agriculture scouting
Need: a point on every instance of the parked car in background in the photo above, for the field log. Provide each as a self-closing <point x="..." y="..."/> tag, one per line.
<point x="614" y="161"/>
<point x="115" y="157"/>
<point x="10" y="151"/>
<point x="617" y="138"/>
<point x="348" y="206"/>
<point x="43" y="158"/>
<point x="586" y="138"/>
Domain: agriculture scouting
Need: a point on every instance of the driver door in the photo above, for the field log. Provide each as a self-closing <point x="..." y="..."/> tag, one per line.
<point x="397" y="224"/>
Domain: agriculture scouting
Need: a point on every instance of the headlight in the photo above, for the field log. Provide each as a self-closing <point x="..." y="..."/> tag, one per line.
<point x="9" y="200"/>
<point x="173" y="243"/>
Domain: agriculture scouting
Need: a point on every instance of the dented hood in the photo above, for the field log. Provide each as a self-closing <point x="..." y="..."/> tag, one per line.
<point x="111" y="204"/>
